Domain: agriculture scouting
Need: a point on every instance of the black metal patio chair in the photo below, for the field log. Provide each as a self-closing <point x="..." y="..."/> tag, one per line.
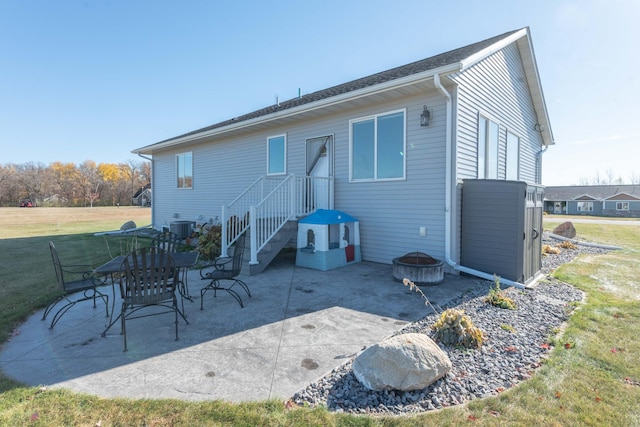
<point x="225" y="270"/>
<point x="68" y="289"/>
<point x="171" y="242"/>
<point x="168" y="241"/>
<point x="150" y="279"/>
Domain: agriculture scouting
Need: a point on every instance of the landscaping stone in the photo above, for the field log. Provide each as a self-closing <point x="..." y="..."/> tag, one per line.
<point x="566" y="229"/>
<point x="402" y="362"/>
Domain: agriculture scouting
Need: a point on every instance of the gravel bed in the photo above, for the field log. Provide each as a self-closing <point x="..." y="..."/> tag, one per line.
<point x="514" y="347"/>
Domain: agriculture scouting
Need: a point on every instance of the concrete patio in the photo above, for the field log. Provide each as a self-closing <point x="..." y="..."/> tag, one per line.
<point x="298" y="325"/>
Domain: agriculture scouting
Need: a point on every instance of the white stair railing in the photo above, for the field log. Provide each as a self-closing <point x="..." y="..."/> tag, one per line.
<point x="235" y="215"/>
<point x="267" y="205"/>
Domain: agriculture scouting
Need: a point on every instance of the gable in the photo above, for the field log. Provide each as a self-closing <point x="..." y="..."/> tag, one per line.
<point x="623" y="196"/>
<point x="585" y="197"/>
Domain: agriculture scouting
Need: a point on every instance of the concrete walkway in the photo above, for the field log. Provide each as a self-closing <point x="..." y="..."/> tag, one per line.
<point x="298" y="325"/>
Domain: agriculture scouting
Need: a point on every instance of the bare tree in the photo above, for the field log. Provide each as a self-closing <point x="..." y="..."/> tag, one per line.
<point x="31" y="176"/>
<point x="90" y="180"/>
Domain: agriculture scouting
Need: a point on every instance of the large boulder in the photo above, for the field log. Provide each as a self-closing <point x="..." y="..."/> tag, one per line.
<point x="566" y="229"/>
<point x="402" y="362"/>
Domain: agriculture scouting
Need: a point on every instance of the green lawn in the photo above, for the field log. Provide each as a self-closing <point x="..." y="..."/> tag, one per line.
<point x="591" y="377"/>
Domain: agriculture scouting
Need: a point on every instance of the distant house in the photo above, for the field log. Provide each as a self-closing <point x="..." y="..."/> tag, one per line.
<point x="599" y="200"/>
<point x="391" y="149"/>
<point x="55" y="199"/>
<point x="142" y="197"/>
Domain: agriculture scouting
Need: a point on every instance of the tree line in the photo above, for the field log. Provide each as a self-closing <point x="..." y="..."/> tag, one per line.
<point x="67" y="184"/>
<point x="609" y="177"/>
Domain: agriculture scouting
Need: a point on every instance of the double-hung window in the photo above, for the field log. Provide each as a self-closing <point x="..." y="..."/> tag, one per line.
<point x="585" y="206"/>
<point x="488" y="137"/>
<point x="276" y="155"/>
<point x="622" y="206"/>
<point x="184" y="170"/>
<point x="378" y="147"/>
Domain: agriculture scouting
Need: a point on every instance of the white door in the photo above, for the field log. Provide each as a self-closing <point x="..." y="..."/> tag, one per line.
<point x="319" y="165"/>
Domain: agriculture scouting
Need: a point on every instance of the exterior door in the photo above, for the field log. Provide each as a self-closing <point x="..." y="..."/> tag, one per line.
<point x="319" y="172"/>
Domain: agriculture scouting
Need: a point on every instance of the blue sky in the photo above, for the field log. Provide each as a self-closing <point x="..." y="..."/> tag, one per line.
<point x="95" y="79"/>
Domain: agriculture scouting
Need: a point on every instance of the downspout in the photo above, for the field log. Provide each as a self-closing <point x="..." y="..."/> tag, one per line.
<point x="450" y="174"/>
<point x="150" y="159"/>
<point x="539" y="161"/>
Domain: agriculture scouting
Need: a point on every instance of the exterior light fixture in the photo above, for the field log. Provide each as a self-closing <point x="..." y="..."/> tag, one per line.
<point x="424" y="117"/>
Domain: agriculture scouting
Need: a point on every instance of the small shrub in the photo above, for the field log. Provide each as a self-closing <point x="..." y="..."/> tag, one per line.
<point x="209" y="242"/>
<point x="546" y="249"/>
<point x="497" y="297"/>
<point x="456" y="328"/>
<point x="568" y="245"/>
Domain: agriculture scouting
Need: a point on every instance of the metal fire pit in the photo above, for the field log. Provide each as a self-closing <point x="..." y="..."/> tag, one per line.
<point x="418" y="267"/>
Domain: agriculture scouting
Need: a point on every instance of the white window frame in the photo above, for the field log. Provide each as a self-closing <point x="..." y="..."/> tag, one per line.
<point x="271" y="139"/>
<point x="488" y="153"/>
<point x="375" y="118"/>
<point x="181" y="172"/>
<point x="584" y="206"/>
<point x="622" y="206"/>
<point x="512" y="171"/>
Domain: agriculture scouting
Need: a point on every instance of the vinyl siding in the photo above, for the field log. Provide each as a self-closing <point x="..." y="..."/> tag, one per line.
<point x="390" y="212"/>
<point x="497" y="89"/>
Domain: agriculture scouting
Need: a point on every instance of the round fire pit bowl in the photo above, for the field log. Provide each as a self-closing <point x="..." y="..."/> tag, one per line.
<point x="418" y="267"/>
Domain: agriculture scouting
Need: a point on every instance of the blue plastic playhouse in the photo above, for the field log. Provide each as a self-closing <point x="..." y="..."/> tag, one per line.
<point x="328" y="239"/>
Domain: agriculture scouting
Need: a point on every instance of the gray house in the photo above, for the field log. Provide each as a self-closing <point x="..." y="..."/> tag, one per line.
<point x="391" y="149"/>
<point x="598" y="200"/>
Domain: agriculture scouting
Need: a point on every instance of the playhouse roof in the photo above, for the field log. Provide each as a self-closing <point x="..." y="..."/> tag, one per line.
<point x="327" y="216"/>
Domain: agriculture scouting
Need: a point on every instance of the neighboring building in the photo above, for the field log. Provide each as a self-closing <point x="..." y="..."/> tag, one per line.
<point x="391" y="149"/>
<point x="599" y="200"/>
<point x="142" y="197"/>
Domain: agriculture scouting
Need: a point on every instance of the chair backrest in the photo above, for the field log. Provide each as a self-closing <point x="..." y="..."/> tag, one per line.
<point x="238" y="252"/>
<point x="56" y="265"/>
<point x="167" y="241"/>
<point x="150" y="275"/>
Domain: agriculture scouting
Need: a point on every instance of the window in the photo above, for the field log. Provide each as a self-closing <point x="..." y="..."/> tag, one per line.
<point x="622" y="206"/>
<point x="488" y="133"/>
<point x="276" y="155"/>
<point x="585" y="206"/>
<point x="513" y="148"/>
<point x="184" y="169"/>
<point x="378" y="147"/>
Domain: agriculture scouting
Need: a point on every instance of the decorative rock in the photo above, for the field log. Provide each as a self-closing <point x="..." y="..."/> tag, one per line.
<point x="128" y="226"/>
<point x="403" y="362"/>
<point x="566" y="229"/>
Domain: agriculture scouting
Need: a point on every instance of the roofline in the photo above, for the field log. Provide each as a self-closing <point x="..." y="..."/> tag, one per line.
<point x="521" y="37"/>
<point x="489" y="50"/>
<point x="333" y="100"/>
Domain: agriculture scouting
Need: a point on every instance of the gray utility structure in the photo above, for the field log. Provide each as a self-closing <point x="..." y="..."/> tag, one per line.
<point x="502" y="228"/>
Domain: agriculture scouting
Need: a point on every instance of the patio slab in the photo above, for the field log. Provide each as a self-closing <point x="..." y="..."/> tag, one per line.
<point x="298" y="325"/>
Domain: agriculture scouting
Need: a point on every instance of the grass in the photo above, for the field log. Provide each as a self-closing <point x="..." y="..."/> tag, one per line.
<point x="590" y="378"/>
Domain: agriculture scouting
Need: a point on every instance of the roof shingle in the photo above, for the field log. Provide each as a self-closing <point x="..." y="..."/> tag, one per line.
<point x="437" y="61"/>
